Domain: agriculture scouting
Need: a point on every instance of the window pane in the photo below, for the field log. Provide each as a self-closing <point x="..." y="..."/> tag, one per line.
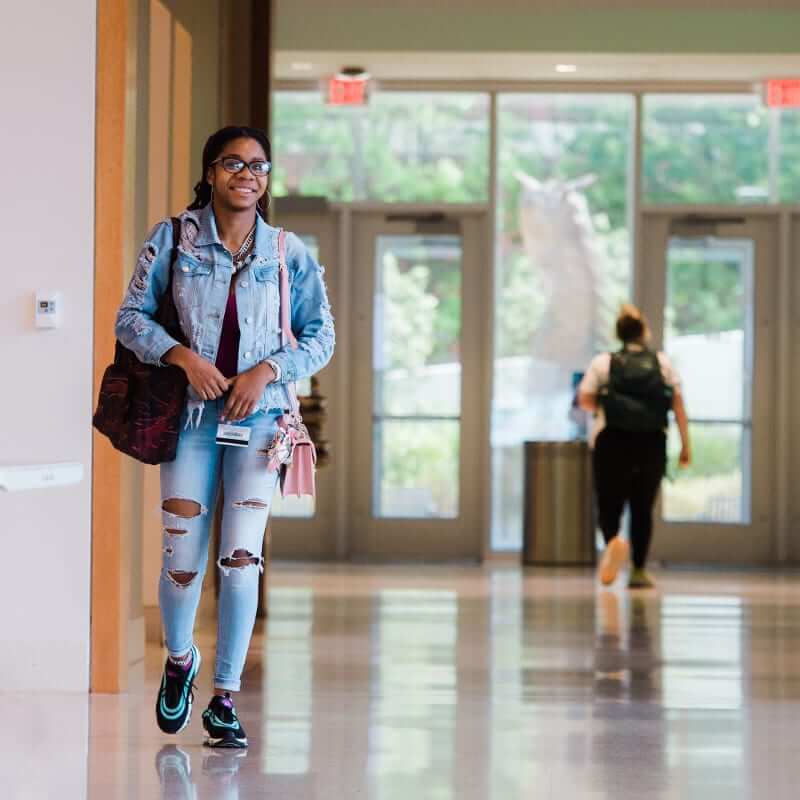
<point x="417" y="375"/>
<point x="416" y="468"/>
<point x="417" y="334"/>
<point x="403" y="146"/>
<point x="714" y="488"/>
<point x="708" y="324"/>
<point x="789" y="149"/>
<point x="563" y="268"/>
<point x="705" y="149"/>
<point x="708" y="331"/>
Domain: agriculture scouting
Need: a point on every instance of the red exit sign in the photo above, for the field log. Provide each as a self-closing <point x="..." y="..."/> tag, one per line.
<point x="783" y="93"/>
<point x="345" y="91"/>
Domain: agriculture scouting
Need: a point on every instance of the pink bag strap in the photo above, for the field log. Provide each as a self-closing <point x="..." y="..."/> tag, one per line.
<point x="287" y="335"/>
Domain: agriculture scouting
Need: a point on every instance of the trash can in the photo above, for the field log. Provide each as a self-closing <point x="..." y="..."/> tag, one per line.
<point x="558" y="520"/>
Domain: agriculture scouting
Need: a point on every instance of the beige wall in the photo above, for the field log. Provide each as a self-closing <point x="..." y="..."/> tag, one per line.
<point x="45" y="405"/>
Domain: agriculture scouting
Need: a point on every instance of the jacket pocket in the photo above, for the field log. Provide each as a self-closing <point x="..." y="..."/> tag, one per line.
<point x="266" y="274"/>
<point x="186" y="266"/>
<point x="191" y="281"/>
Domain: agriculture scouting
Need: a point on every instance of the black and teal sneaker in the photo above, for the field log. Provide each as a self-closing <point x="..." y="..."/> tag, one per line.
<point x="175" y="697"/>
<point x="223" y="728"/>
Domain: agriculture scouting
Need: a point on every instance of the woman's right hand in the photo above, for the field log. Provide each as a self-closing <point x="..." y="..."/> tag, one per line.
<point x="204" y="377"/>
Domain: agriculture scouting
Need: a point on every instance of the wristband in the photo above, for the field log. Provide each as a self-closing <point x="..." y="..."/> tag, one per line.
<point x="276" y="368"/>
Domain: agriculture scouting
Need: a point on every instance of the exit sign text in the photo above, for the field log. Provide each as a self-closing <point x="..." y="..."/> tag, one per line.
<point x="783" y="93"/>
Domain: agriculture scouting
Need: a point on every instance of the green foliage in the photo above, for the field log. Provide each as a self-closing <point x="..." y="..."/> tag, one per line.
<point x="704" y="297"/>
<point x="408" y="315"/>
<point x="402" y="147"/>
<point x="424" y="455"/>
<point x="556" y="136"/>
<point x="561" y="137"/>
<point x="716" y="451"/>
<point x="520" y="301"/>
<point x="705" y="150"/>
<point x="422" y="309"/>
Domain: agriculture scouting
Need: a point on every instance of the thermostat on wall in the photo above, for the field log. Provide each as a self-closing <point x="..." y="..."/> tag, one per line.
<point x="48" y="309"/>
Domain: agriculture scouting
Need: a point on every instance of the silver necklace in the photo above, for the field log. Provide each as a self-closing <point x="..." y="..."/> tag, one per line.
<point x="247" y="245"/>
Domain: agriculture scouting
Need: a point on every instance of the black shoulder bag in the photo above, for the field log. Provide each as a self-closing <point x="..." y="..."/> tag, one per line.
<point x="139" y="405"/>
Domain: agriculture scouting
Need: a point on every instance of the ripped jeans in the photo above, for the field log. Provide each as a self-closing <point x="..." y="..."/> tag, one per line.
<point x="189" y="486"/>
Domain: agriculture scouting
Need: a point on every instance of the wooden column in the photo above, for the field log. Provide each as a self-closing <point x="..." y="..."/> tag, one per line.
<point x="110" y="594"/>
<point x="261" y="64"/>
<point x="246" y="62"/>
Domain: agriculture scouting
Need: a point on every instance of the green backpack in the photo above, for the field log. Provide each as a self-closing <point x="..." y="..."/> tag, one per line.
<point x="638" y="398"/>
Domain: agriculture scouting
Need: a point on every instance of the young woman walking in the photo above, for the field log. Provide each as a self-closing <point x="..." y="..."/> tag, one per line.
<point x="631" y="393"/>
<point x="226" y="290"/>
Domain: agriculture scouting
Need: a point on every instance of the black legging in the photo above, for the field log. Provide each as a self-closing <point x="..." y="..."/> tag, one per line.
<point x="628" y="467"/>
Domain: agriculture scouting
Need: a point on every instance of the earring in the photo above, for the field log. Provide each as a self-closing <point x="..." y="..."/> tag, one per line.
<point x="269" y="200"/>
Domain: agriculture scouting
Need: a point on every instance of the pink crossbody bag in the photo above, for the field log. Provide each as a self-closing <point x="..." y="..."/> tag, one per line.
<point x="291" y="452"/>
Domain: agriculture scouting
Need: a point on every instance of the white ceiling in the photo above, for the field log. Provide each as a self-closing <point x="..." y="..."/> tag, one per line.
<point x="312" y="65"/>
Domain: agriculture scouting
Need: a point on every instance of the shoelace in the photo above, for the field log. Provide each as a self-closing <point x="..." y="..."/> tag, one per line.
<point x="176" y="672"/>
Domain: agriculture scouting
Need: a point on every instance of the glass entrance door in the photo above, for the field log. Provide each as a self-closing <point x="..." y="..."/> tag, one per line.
<point x="418" y="392"/>
<point x="707" y="287"/>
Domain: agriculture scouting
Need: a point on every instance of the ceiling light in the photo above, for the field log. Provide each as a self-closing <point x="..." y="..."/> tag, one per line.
<point x="302" y="66"/>
<point x="566" y="68"/>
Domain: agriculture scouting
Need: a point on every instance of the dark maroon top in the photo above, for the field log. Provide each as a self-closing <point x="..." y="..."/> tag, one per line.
<point x="228" y="353"/>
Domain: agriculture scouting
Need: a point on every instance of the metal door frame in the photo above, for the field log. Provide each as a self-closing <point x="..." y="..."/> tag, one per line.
<point x="402" y="539"/>
<point x="758" y="542"/>
<point x="333" y="532"/>
<point x="316" y="538"/>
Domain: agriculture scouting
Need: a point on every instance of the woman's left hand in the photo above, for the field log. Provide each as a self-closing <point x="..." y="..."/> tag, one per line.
<point x="246" y="391"/>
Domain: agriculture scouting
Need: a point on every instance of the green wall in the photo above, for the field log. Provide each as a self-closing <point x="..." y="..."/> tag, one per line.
<point x="514" y="30"/>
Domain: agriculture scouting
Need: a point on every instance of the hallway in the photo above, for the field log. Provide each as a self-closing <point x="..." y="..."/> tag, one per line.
<point x="423" y="682"/>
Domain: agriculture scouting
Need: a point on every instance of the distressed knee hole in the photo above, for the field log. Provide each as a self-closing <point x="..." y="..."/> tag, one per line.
<point x="181" y="578"/>
<point x="178" y="507"/>
<point x="253" y="504"/>
<point x="176" y="531"/>
<point x="238" y="559"/>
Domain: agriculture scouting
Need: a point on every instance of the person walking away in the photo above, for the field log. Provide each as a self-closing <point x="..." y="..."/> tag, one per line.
<point x="630" y="393"/>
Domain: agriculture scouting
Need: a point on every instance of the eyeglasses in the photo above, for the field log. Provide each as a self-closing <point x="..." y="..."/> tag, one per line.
<point x="233" y="164"/>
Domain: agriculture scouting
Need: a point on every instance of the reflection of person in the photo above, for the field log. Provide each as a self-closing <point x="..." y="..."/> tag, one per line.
<point x="174" y="767"/>
<point x="631" y="393"/>
<point x="220" y="769"/>
<point x="226" y="290"/>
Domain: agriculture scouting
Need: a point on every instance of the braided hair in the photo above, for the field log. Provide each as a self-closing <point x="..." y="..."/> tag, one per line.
<point x="214" y="146"/>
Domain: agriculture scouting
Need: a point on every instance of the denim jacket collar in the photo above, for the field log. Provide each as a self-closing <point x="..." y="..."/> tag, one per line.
<point x="266" y="241"/>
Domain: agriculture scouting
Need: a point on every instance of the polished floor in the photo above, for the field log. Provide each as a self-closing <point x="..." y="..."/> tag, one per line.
<point x="425" y="683"/>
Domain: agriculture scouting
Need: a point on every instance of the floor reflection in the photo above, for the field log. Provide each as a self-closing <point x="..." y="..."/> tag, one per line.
<point x="220" y="770"/>
<point x="491" y="683"/>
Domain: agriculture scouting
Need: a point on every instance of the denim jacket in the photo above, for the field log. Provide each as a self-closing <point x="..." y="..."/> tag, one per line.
<point x="201" y="283"/>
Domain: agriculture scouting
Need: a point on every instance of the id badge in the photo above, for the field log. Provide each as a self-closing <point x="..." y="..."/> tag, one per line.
<point x="233" y="435"/>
